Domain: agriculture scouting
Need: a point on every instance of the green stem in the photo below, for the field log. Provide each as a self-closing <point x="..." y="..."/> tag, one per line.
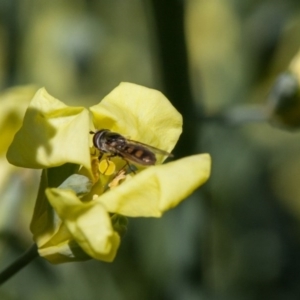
<point x="20" y="263"/>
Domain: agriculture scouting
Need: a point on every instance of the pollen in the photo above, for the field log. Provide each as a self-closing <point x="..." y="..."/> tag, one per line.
<point x="107" y="167"/>
<point x="116" y="181"/>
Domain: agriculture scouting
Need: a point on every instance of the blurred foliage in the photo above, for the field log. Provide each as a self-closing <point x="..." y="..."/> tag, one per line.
<point x="238" y="240"/>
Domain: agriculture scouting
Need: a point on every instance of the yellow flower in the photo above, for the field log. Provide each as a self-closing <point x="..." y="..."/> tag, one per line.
<point x="75" y="214"/>
<point x="13" y="103"/>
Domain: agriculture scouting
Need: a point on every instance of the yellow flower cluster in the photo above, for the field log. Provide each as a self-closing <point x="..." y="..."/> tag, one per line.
<point x="79" y="212"/>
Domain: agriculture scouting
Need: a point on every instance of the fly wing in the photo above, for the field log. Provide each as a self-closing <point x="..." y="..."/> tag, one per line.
<point x="151" y="148"/>
<point x="138" y="154"/>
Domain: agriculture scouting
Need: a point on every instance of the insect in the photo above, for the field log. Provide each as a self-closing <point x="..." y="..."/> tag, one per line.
<point x="115" y="144"/>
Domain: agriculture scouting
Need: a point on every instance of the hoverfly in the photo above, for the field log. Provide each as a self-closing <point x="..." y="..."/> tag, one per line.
<point x="115" y="144"/>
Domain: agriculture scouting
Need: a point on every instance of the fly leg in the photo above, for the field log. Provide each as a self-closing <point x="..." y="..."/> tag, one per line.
<point x="100" y="156"/>
<point x="127" y="164"/>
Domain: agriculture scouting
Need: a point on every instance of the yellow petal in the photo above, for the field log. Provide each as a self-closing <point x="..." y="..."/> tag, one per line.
<point x="14" y="102"/>
<point x="140" y="113"/>
<point x="65" y="251"/>
<point x="54" y="240"/>
<point x="158" y="188"/>
<point x="89" y="224"/>
<point x="52" y="134"/>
